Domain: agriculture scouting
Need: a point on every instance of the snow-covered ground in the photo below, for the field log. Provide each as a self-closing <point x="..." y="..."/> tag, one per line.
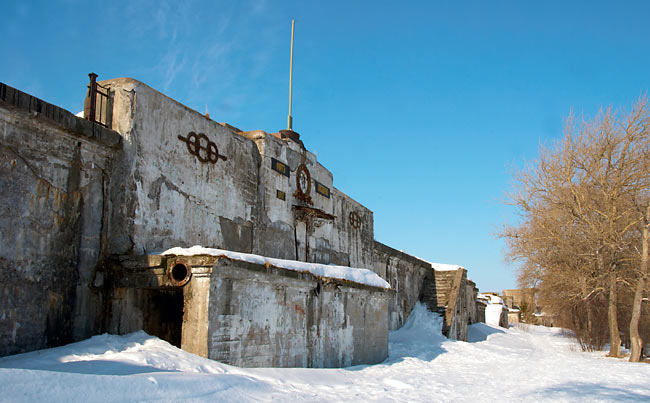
<point x="518" y="364"/>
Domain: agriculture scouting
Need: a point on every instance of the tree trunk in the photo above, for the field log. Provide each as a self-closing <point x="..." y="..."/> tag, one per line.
<point x="635" y="337"/>
<point x="590" y="315"/>
<point x="590" y="320"/>
<point x="612" y="319"/>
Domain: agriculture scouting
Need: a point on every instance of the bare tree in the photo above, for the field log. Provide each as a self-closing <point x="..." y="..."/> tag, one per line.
<point x="581" y="204"/>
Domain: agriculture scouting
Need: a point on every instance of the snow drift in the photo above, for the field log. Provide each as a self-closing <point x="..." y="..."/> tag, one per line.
<point x="534" y="364"/>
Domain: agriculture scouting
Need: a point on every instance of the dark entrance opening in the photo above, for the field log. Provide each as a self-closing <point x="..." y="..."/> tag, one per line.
<point x="164" y="315"/>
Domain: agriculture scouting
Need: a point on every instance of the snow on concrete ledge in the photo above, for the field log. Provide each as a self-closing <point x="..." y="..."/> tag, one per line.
<point x="437" y="266"/>
<point x="445" y="267"/>
<point x="361" y="276"/>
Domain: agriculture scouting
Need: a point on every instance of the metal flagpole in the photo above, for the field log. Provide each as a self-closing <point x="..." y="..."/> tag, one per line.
<point x="289" y="118"/>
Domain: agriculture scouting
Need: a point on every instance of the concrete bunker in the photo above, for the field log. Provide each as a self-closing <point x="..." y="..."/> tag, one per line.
<point x="250" y="311"/>
<point x="149" y="174"/>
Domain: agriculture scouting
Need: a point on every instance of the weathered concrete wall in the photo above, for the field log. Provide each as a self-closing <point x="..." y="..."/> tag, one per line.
<point x="275" y="235"/>
<point x="280" y="319"/>
<point x="464" y="309"/>
<point x="243" y="203"/>
<point x="520" y="298"/>
<point x="354" y="231"/>
<point x="283" y="231"/>
<point x="79" y="192"/>
<point x="447" y="292"/>
<point x="169" y="196"/>
<point x="470" y="293"/>
<point x="480" y="311"/>
<point x="323" y="233"/>
<point x="254" y="316"/>
<point x="54" y="174"/>
<point x="452" y="294"/>
<point x="457" y="312"/>
<point x="513" y="317"/>
<point x="406" y="275"/>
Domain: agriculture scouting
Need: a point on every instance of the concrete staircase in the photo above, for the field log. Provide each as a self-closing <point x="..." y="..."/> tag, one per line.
<point x="436" y="290"/>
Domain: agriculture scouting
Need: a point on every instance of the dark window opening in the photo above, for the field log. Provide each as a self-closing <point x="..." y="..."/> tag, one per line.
<point x="164" y="316"/>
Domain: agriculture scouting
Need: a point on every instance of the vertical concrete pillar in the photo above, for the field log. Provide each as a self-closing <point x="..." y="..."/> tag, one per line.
<point x="196" y="296"/>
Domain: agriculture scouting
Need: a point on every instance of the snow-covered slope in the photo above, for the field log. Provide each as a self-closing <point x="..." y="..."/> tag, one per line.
<point x="528" y="364"/>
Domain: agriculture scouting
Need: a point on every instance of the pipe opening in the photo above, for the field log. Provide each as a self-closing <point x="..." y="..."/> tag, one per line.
<point x="179" y="274"/>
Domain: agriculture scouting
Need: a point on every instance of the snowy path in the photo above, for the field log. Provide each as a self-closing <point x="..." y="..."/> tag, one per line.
<point x="537" y="364"/>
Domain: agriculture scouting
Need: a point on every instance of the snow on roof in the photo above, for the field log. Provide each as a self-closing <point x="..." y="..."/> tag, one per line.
<point x="492" y="299"/>
<point x="437" y="266"/>
<point x="445" y="267"/>
<point x="361" y="276"/>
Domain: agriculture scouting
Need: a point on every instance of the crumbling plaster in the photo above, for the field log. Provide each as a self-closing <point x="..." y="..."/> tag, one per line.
<point x="54" y="173"/>
<point x="170" y="198"/>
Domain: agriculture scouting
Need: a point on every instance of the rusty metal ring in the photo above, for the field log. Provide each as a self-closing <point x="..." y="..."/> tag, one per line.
<point x="202" y="147"/>
<point x="179" y="273"/>
<point x="355" y="219"/>
<point x="191" y="142"/>
<point x="213" y="153"/>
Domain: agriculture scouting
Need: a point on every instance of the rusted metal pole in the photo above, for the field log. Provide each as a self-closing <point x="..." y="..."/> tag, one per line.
<point x="93" y="97"/>
<point x="289" y="118"/>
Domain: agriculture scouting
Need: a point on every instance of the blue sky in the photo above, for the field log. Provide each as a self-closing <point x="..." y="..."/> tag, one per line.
<point x="421" y="109"/>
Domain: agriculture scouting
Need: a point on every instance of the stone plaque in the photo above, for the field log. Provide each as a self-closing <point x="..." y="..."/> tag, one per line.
<point x="322" y="189"/>
<point x="280" y="195"/>
<point x="279" y="167"/>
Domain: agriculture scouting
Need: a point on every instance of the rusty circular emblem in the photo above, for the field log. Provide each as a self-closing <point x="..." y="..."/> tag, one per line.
<point x="355" y="220"/>
<point x="303" y="179"/>
<point x="303" y="184"/>
<point x="202" y="147"/>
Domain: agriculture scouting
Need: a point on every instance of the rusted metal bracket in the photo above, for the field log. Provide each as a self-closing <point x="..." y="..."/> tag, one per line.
<point x="202" y="147"/>
<point x="305" y="211"/>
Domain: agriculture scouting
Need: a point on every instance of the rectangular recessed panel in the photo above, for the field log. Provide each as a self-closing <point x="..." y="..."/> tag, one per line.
<point x="280" y="167"/>
<point x="322" y="189"/>
<point x="280" y="195"/>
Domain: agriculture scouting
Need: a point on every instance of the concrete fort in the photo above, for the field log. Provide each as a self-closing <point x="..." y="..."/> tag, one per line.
<point x="250" y="314"/>
<point x="91" y="204"/>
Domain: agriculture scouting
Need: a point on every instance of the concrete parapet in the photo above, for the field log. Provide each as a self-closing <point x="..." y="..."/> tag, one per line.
<point x="406" y="275"/>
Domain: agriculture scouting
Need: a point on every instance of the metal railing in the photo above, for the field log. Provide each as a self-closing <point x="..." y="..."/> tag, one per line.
<point x="97" y="107"/>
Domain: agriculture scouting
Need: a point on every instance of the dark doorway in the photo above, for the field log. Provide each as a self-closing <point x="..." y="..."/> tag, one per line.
<point x="164" y="315"/>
